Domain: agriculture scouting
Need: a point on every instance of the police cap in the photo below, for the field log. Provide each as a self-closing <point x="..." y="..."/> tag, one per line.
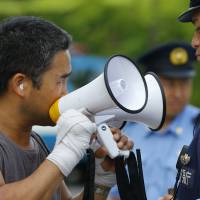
<point x="173" y="60"/>
<point x="187" y="15"/>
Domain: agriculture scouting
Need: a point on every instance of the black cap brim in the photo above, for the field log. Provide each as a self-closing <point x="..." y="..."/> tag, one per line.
<point x="179" y="74"/>
<point x="187" y="16"/>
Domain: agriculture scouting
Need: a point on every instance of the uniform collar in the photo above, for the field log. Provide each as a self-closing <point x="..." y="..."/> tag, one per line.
<point x="174" y="127"/>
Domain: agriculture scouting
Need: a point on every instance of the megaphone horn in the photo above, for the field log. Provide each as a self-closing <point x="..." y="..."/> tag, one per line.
<point x="120" y="85"/>
<point x="153" y="115"/>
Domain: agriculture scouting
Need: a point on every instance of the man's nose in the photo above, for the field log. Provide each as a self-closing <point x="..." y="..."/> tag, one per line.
<point x="178" y="92"/>
<point x="64" y="91"/>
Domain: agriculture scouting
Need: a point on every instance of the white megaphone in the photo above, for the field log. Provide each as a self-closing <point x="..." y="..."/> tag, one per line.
<point x="153" y="115"/>
<point x="120" y="85"/>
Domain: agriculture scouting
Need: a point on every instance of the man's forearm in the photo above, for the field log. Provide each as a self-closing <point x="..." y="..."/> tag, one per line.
<point x="40" y="185"/>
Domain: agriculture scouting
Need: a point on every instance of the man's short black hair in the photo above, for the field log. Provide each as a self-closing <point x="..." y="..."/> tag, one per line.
<point x="27" y="45"/>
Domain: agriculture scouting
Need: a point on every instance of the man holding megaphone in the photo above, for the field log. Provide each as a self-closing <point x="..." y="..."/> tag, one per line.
<point x="35" y="64"/>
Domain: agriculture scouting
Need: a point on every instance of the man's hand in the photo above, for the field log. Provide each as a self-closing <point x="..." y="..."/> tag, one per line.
<point x="73" y="137"/>
<point x="167" y="197"/>
<point x="123" y="143"/>
<point x="105" y="166"/>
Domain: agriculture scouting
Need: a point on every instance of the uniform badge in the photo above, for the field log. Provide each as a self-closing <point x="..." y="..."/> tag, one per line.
<point x="187" y="177"/>
<point x="178" y="56"/>
<point x="185" y="159"/>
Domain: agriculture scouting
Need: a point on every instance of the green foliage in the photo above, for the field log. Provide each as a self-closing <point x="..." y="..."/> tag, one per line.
<point x="82" y="78"/>
<point x="110" y="27"/>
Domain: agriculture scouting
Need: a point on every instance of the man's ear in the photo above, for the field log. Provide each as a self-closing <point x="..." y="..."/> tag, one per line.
<point x="19" y="83"/>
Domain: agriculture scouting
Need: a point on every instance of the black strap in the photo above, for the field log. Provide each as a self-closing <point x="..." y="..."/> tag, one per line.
<point x="131" y="185"/>
<point x="133" y="175"/>
<point x="141" y="176"/>
<point x="89" y="176"/>
<point x="122" y="178"/>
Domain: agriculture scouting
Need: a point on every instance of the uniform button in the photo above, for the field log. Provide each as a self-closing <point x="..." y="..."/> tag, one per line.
<point x="179" y="130"/>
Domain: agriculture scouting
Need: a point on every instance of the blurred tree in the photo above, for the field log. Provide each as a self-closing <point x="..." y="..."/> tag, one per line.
<point x="110" y="27"/>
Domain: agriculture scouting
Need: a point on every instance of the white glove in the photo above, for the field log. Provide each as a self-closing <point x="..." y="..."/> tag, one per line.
<point x="74" y="134"/>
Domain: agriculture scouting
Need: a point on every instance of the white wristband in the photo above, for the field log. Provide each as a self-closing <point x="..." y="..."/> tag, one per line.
<point x="70" y="157"/>
<point x="74" y="134"/>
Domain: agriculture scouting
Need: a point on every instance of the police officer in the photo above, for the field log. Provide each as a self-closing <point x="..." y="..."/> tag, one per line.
<point x="172" y="62"/>
<point x="189" y="180"/>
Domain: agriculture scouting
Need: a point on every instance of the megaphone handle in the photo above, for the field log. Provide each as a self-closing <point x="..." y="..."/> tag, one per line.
<point x="105" y="137"/>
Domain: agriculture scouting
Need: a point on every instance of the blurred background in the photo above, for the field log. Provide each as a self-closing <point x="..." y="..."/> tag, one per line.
<point x="103" y="28"/>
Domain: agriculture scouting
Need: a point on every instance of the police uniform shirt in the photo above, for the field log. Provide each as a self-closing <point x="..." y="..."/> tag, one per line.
<point x="160" y="151"/>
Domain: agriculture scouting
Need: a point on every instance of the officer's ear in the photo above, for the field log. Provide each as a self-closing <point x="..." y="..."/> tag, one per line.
<point x="20" y="84"/>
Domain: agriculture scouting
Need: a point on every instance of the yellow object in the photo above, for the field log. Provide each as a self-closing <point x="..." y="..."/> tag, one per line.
<point x="54" y="112"/>
<point x="178" y="56"/>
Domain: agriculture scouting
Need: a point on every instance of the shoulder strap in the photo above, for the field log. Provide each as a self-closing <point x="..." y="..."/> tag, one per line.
<point x="39" y="140"/>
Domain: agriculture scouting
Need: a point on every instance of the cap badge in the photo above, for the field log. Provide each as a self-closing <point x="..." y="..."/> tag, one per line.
<point x="178" y="56"/>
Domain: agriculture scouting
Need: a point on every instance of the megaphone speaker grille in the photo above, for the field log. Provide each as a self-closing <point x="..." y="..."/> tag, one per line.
<point x="125" y="84"/>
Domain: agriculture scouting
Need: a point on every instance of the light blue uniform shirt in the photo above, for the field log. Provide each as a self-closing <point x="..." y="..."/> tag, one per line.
<point x="160" y="151"/>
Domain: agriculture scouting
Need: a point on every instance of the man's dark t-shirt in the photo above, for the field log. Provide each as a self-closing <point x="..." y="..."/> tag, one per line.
<point x="17" y="163"/>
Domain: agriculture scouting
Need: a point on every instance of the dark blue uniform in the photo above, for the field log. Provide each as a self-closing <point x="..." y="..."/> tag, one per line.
<point x="189" y="182"/>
